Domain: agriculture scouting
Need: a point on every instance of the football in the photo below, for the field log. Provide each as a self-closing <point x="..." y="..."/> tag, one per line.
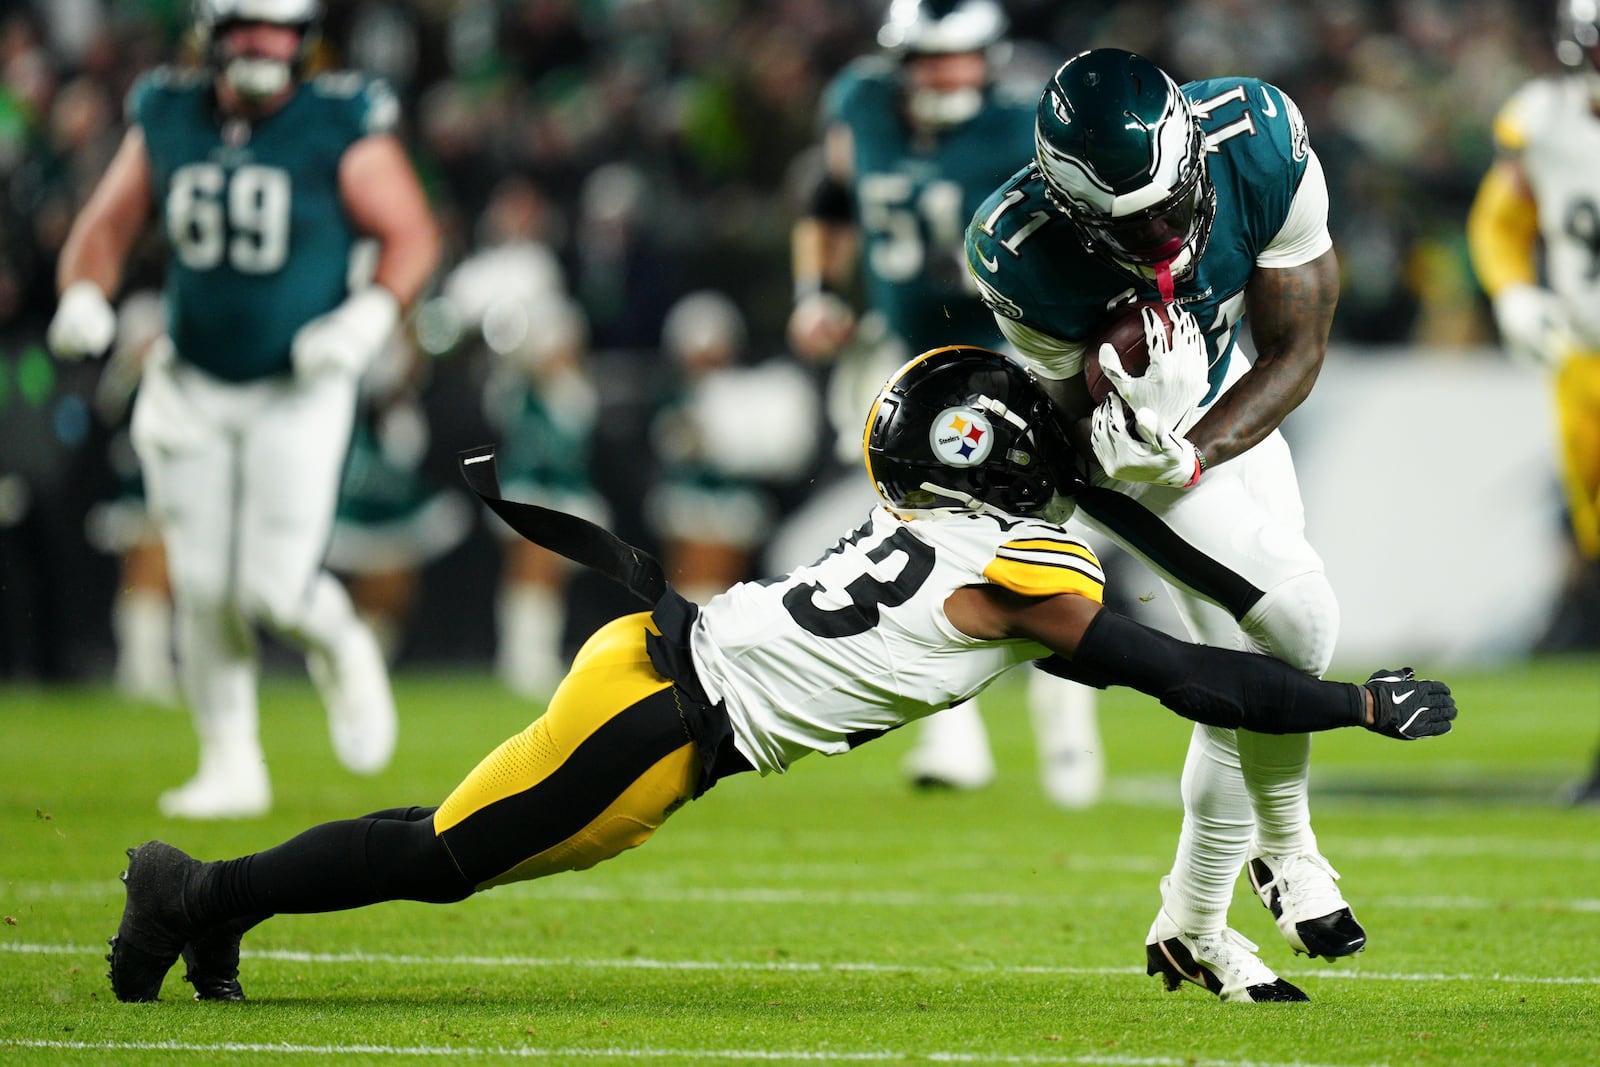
<point x="1123" y="331"/>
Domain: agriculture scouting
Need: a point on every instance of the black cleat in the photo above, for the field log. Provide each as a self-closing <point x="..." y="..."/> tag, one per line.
<point x="212" y="961"/>
<point x="154" y="926"/>
<point x="1301" y="894"/>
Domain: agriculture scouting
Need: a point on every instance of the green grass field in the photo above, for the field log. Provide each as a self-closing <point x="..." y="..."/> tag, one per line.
<point x="830" y="915"/>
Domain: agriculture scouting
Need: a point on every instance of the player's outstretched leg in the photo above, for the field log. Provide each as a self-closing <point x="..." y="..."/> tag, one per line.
<point x="155" y="924"/>
<point x="1221" y="961"/>
<point x="1311" y="914"/>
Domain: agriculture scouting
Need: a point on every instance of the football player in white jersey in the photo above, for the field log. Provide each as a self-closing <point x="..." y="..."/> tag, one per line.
<point x="957" y="576"/>
<point x="1534" y="235"/>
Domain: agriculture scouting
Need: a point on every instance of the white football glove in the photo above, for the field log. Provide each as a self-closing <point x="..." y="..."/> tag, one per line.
<point x="84" y="323"/>
<point x="1534" y="325"/>
<point x="347" y="339"/>
<point x="1175" y="382"/>
<point x="1139" y="447"/>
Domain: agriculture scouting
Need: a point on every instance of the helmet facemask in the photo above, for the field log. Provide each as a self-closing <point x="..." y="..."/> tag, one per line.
<point x="258" y="77"/>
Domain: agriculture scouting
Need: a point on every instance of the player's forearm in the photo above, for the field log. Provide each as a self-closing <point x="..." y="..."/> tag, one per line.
<point x="1215" y="686"/>
<point x="407" y="259"/>
<point x="1291" y="312"/>
<point x="821" y="254"/>
<point x="95" y="253"/>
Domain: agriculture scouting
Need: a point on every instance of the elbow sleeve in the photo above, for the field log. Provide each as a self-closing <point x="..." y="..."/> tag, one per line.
<point x="1215" y="686"/>
<point x="831" y="202"/>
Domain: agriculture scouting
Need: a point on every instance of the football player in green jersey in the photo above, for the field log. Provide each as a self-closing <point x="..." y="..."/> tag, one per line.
<point x="915" y="138"/>
<point x="1209" y="198"/>
<point x="263" y="182"/>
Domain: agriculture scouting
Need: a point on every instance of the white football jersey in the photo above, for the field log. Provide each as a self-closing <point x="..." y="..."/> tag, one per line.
<point x="857" y="643"/>
<point x="1551" y="124"/>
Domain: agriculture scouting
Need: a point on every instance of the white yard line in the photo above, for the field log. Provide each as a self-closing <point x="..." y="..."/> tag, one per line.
<point x="758" y="1055"/>
<point x="639" y="963"/>
<point x="643" y="892"/>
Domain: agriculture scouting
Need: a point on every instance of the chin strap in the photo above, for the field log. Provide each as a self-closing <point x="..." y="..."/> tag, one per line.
<point x="577" y="539"/>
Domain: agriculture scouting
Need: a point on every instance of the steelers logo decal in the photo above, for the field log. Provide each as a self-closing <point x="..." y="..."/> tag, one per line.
<point x="961" y="437"/>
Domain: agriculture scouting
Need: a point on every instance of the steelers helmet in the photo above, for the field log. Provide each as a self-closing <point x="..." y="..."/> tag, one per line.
<point x="254" y="76"/>
<point x="1123" y="158"/>
<point x="967" y="429"/>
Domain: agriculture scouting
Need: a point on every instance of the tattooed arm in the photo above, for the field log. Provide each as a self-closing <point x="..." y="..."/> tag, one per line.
<point x="1290" y="310"/>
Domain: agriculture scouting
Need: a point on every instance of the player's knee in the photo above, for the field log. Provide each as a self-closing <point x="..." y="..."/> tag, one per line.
<point x="1297" y="621"/>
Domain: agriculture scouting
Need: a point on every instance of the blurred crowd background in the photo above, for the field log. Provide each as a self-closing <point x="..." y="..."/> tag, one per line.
<point x="648" y="150"/>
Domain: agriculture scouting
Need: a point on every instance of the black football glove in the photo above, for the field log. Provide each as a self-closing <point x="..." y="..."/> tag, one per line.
<point x="1406" y="708"/>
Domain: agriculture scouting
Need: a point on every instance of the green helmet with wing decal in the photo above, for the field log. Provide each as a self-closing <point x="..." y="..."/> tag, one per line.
<point x="1123" y="158"/>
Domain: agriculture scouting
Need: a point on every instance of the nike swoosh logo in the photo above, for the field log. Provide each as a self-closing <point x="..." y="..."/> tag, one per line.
<point x="1401" y="698"/>
<point x="992" y="264"/>
<point x="1271" y="109"/>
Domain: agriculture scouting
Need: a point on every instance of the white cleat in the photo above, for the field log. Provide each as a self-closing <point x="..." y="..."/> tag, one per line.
<point x="952" y="751"/>
<point x="241" y="793"/>
<point x="1310" y="911"/>
<point x="1224" y="963"/>
<point x="1066" y="730"/>
<point x="355" y="690"/>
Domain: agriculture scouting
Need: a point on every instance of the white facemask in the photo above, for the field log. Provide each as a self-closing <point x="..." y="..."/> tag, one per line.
<point x="930" y="107"/>
<point x="252" y="76"/>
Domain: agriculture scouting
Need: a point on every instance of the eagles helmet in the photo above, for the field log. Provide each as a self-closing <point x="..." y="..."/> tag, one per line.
<point x="1124" y="159"/>
<point x="1578" y="40"/>
<point x="967" y="429"/>
<point x="257" y="76"/>
<point x="914" y="28"/>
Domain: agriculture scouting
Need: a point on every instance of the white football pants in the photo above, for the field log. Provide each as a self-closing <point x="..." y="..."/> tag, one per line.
<point x="1246" y="515"/>
<point x="242" y="481"/>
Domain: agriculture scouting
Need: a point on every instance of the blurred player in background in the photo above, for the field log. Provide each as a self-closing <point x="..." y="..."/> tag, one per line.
<point x="1209" y="196"/>
<point x="543" y="402"/>
<point x="263" y="182"/>
<point x="729" y="437"/>
<point x="390" y="521"/>
<point x="141" y="608"/>
<point x="914" y="139"/>
<point x="1534" y="234"/>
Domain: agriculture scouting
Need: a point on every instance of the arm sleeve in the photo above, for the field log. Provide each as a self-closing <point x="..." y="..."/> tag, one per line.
<point x="1215" y="686"/>
<point x="1047" y="356"/>
<point x="1304" y="234"/>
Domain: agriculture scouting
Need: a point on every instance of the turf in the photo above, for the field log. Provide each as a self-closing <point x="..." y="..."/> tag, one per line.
<point x="830" y="915"/>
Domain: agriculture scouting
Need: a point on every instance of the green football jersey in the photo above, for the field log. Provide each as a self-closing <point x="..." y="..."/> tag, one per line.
<point x="1032" y="266"/>
<point x="258" y="239"/>
<point x="913" y="196"/>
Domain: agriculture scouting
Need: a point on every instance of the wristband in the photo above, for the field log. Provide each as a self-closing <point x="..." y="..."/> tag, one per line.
<point x="1199" y="466"/>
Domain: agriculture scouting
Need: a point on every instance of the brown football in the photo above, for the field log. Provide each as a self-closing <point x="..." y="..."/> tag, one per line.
<point x="1123" y="331"/>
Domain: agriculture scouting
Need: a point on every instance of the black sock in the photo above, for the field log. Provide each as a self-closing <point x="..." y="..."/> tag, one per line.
<point x="333" y="867"/>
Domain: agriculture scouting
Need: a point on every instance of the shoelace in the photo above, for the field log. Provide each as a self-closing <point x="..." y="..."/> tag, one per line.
<point x="1301" y="891"/>
<point x="1216" y="950"/>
